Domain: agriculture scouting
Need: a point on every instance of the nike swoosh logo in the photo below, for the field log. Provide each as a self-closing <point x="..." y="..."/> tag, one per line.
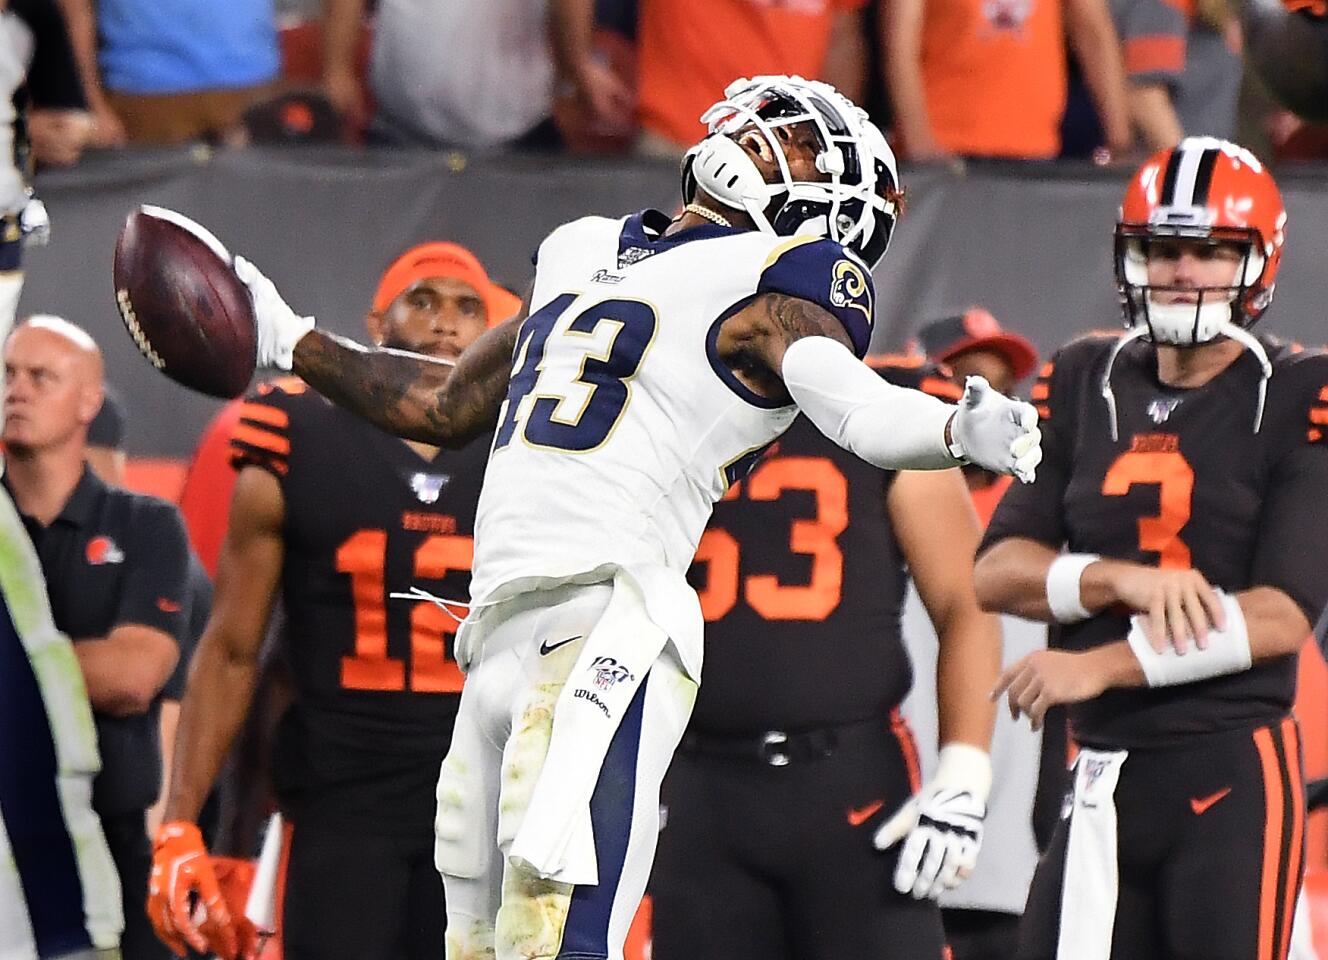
<point x="861" y="815"/>
<point x="547" y="648"/>
<point x="1200" y="805"/>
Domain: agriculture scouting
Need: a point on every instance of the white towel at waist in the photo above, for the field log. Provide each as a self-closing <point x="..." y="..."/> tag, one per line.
<point x="555" y="839"/>
<point x="1091" y="884"/>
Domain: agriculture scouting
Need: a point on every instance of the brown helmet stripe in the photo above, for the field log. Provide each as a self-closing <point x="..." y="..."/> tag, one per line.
<point x="1169" y="178"/>
<point x="1203" y="176"/>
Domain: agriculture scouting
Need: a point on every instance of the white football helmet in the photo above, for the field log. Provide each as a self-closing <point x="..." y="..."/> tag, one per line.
<point x="856" y="206"/>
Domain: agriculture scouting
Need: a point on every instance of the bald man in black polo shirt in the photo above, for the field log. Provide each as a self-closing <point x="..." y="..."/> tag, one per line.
<point x="115" y="566"/>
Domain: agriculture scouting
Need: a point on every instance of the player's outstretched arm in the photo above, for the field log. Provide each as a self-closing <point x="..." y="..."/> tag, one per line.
<point x="787" y="347"/>
<point x="411" y="396"/>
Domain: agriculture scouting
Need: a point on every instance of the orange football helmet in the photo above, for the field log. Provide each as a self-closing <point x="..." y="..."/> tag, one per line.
<point x="1208" y="189"/>
<point x="1202" y="189"/>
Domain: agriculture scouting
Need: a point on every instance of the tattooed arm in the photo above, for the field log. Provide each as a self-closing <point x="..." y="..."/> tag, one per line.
<point x="412" y="396"/>
<point x="753" y="341"/>
<point x="793" y="351"/>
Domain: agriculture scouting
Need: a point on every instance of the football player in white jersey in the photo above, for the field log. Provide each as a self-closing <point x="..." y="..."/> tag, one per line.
<point x="652" y="362"/>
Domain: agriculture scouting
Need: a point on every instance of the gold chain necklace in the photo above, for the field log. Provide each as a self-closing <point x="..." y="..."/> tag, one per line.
<point x="718" y="219"/>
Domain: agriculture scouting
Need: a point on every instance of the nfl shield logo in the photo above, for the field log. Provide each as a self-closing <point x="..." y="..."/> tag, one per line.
<point x="609" y="671"/>
<point x="633" y="255"/>
<point x="1160" y="410"/>
<point x="428" y="486"/>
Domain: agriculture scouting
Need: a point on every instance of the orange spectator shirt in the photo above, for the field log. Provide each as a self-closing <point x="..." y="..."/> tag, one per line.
<point x="205" y="500"/>
<point x="690" y="50"/>
<point x="994" y="76"/>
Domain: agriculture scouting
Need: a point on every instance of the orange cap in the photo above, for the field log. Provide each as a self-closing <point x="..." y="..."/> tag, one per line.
<point x="449" y="260"/>
<point x="943" y="340"/>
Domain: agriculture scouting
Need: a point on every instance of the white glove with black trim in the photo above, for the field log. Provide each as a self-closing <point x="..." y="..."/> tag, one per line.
<point x="995" y="432"/>
<point x="279" y="327"/>
<point x="942" y="823"/>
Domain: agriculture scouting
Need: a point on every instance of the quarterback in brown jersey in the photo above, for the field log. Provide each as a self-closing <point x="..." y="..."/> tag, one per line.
<point x="334" y="516"/>
<point x="1173" y="535"/>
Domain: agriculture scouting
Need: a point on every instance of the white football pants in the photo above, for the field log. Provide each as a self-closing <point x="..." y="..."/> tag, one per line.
<point x="499" y="910"/>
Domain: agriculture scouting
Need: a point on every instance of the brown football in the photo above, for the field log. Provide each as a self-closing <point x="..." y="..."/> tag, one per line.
<point x="181" y="301"/>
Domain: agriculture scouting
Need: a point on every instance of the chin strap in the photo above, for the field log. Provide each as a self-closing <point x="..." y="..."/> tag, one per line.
<point x="1107" y="394"/>
<point x="1228" y="329"/>
<point x="723" y="169"/>
<point x="1246" y="339"/>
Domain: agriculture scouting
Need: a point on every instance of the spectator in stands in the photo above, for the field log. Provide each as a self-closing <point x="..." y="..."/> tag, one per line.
<point x="171" y="71"/>
<point x="42" y="117"/>
<point x="1183" y="66"/>
<point x="115" y="565"/>
<point x="41" y="79"/>
<point x="987" y="78"/>
<point x="59" y="896"/>
<point x="594" y="48"/>
<point x="973" y="343"/>
<point x="490" y="86"/>
<point x="681" y="61"/>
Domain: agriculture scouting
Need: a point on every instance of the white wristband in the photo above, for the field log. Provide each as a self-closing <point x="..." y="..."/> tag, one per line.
<point x="1063" y="586"/>
<point x="1228" y="651"/>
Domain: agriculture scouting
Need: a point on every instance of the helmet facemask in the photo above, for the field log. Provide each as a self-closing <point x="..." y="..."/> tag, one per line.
<point x="1218" y="311"/>
<point x="1188" y="324"/>
<point x="856" y="202"/>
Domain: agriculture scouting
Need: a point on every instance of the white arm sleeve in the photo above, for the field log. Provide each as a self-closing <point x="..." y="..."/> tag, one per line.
<point x="891" y="427"/>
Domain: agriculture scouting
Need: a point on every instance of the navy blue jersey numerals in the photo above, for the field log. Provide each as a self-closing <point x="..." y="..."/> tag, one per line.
<point x="546" y="422"/>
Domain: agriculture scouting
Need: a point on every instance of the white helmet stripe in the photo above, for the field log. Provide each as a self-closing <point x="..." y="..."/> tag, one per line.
<point x="1185" y="176"/>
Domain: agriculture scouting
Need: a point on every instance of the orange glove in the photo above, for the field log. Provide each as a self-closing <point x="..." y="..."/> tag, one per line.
<point x="180" y="866"/>
<point x="235" y="877"/>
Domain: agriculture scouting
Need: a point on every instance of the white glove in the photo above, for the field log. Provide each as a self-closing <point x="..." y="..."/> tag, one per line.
<point x="279" y="327"/>
<point x="34" y="223"/>
<point x="995" y="432"/>
<point x="943" y="824"/>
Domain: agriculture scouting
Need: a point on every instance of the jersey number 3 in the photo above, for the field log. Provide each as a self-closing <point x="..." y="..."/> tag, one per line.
<point x="1175" y="479"/>
<point x="611" y="338"/>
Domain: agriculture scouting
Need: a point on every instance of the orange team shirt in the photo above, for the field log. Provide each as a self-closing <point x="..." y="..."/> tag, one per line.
<point x="994" y="76"/>
<point x="690" y="50"/>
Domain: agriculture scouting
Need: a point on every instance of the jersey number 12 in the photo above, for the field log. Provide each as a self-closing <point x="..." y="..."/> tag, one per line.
<point x="364" y="556"/>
